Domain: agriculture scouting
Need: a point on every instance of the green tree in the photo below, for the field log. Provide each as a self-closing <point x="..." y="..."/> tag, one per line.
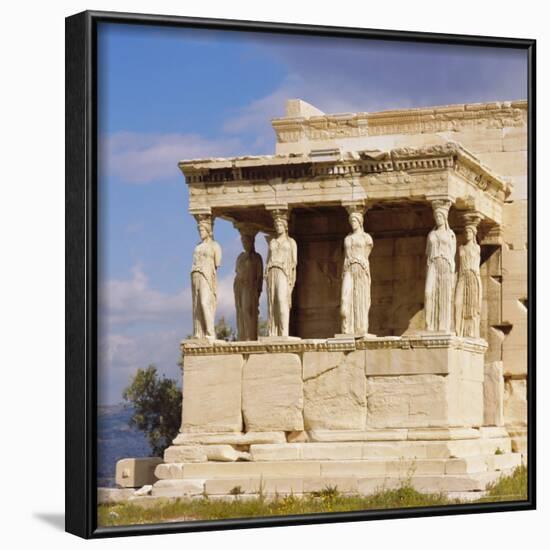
<point x="156" y="401"/>
<point x="224" y="331"/>
<point x="262" y="327"/>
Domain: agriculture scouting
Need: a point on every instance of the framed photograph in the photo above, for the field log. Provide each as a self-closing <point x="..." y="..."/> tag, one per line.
<point x="300" y="274"/>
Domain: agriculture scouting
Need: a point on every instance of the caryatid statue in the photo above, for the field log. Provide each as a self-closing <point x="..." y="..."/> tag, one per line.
<point x="355" y="299"/>
<point x="247" y="286"/>
<point x="468" y="293"/>
<point x="280" y="275"/>
<point x="440" y="257"/>
<point x="207" y="258"/>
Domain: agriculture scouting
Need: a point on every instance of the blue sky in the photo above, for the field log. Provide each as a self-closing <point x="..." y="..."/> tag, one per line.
<point x="171" y="94"/>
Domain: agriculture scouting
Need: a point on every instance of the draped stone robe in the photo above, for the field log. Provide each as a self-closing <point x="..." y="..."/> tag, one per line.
<point x="206" y="260"/>
<point x="280" y="276"/>
<point x="468" y="294"/>
<point x="438" y="299"/>
<point x="356" y="282"/>
<point x="247" y="288"/>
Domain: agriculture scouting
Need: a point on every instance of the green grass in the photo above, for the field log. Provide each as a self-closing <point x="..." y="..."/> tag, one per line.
<point x="510" y="488"/>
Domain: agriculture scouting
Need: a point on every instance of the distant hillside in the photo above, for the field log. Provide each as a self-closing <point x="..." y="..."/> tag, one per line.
<point x="116" y="440"/>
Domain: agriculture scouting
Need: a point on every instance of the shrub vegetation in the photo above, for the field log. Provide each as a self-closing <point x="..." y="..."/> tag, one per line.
<point x="509" y="488"/>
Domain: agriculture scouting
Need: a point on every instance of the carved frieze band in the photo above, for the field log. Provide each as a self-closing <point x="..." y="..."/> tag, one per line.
<point x="438" y="119"/>
<point x="335" y="344"/>
<point x="209" y="177"/>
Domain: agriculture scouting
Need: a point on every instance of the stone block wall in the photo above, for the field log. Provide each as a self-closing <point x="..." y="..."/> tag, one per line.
<point x="496" y="133"/>
<point x="212" y="394"/>
<point x="514" y="316"/>
<point x="335" y="390"/>
<point x="361" y="389"/>
<point x="272" y="393"/>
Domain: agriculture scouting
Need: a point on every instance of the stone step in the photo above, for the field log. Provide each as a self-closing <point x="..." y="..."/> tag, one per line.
<point x="379" y="449"/>
<point x="229" y="438"/>
<point x="363" y="485"/>
<point x="320" y="436"/>
<point x="342" y="468"/>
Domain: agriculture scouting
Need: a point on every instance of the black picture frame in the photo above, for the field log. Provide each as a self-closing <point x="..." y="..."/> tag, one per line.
<point x="81" y="270"/>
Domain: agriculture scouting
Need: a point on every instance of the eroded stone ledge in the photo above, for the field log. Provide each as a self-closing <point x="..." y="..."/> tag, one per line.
<point x="205" y="347"/>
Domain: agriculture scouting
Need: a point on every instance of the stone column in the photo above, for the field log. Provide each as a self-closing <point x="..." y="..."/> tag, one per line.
<point x="247" y="286"/>
<point x="280" y="273"/>
<point x="468" y="293"/>
<point x="355" y="298"/>
<point x="440" y="269"/>
<point x="206" y="260"/>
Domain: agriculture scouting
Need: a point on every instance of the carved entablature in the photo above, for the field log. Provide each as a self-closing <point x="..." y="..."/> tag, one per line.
<point x="406" y="121"/>
<point x="433" y="157"/>
<point x="335" y="344"/>
<point x="328" y="176"/>
<point x="320" y="128"/>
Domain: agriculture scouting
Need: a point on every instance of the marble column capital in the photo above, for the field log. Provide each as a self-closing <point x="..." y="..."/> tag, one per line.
<point x="472" y="217"/>
<point x="356" y="205"/>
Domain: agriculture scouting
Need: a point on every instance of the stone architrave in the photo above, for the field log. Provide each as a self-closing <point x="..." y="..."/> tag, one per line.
<point x="280" y="275"/>
<point x="440" y="256"/>
<point x="247" y="286"/>
<point x="356" y="280"/>
<point x="468" y="295"/>
<point x="206" y="260"/>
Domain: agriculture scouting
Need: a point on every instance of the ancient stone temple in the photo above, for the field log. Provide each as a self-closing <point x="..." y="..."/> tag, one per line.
<point x="396" y="289"/>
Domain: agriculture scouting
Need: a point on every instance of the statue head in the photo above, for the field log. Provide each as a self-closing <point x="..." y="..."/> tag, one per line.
<point x="205" y="228"/>
<point x="470" y="232"/>
<point x="441" y="214"/>
<point x="247" y="239"/>
<point x="356" y="220"/>
<point x="281" y="224"/>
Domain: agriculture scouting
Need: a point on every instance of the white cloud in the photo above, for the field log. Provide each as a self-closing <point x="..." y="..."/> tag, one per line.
<point x="125" y="302"/>
<point x="257" y="115"/>
<point x="255" y="118"/>
<point x="121" y="355"/>
<point x="145" y="157"/>
<point x="140" y="325"/>
<point x="133" y="300"/>
<point x="121" y="351"/>
<point x="141" y="158"/>
<point x="226" y="298"/>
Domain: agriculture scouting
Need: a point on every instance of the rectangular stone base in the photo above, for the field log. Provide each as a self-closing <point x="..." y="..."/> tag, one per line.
<point x="270" y="486"/>
<point x="356" y="476"/>
<point x="432" y="461"/>
<point x="290" y="385"/>
<point x="294" y="416"/>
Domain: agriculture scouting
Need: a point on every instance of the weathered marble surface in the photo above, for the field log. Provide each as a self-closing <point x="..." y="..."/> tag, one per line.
<point x="272" y="392"/>
<point x="335" y="395"/>
<point x="247" y="287"/>
<point x="400" y="167"/>
<point x="493" y="394"/>
<point x="280" y="276"/>
<point x="440" y="275"/>
<point x="136" y="472"/>
<point x="212" y="394"/>
<point x="206" y="260"/>
<point x="337" y="384"/>
<point x="356" y="278"/>
<point x="468" y="294"/>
